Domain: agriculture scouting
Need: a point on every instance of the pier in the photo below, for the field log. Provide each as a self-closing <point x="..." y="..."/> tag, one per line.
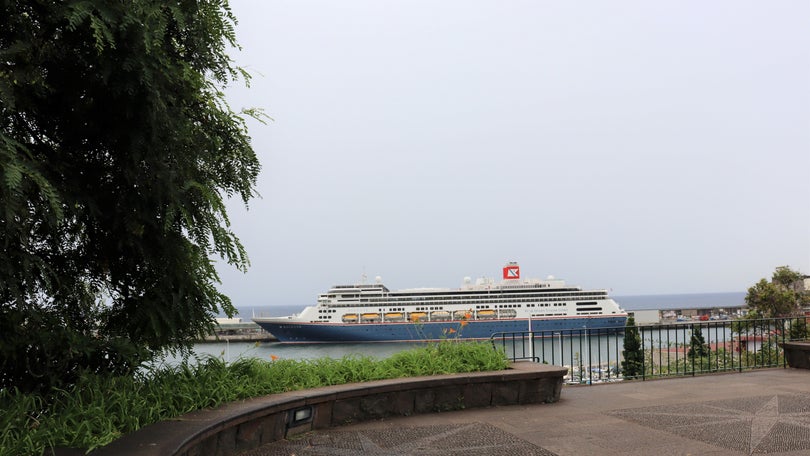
<point x="237" y="330"/>
<point x="673" y="315"/>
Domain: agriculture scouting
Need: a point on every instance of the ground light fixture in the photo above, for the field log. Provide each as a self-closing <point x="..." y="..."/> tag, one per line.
<point x="299" y="416"/>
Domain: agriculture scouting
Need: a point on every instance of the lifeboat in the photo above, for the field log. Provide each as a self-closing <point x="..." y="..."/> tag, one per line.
<point x="394" y="316"/>
<point x="370" y="317"/>
<point x="440" y="315"/>
<point x="507" y="313"/>
<point x="486" y="314"/>
<point x="349" y="318"/>
<point x="417" y="316"/>
<point x="463" y="314"/>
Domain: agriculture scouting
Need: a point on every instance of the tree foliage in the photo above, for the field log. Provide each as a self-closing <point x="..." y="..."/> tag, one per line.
<point x="697" y="345"/>
<point x="633" y="353"/>
<point x="117" y="151"/>
<point x="781" y="297"/>
<point x="798" y="329"/>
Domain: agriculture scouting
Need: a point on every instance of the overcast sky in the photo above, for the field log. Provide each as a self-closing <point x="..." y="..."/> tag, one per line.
<point x="644" y="147"/>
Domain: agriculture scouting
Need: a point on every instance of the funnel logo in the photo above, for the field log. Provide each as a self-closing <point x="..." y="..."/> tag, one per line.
<point x="511" y="272"/>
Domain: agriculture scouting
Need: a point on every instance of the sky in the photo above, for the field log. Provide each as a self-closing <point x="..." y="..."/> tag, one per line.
<point x="641" y="147"/>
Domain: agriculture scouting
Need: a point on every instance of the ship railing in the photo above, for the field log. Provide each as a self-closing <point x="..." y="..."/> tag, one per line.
<point x="598" y="355"/>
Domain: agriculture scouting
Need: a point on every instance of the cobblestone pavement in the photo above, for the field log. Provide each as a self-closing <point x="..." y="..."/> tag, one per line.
<point x="755" y="425"/>
<point x="472" y="439"/>
<point x="762" y="412"/>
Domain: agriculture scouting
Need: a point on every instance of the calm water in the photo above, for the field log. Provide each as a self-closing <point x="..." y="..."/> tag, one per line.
<point x="266" y="350"/>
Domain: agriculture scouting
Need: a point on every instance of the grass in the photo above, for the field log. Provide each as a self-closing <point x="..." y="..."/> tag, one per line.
<point x="97" y="410"/>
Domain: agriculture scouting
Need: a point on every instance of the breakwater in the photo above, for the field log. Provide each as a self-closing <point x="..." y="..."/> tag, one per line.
<point x="236" y="330"/>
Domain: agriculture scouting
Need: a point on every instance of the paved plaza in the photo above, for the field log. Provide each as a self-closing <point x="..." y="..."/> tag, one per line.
<point x="759" y="412"/>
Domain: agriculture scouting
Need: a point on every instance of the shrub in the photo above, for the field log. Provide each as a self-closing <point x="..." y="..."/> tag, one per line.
<point x="98" y="409"/>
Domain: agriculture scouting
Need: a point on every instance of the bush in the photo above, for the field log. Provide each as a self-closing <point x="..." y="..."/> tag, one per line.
<point x="98" y="409"/>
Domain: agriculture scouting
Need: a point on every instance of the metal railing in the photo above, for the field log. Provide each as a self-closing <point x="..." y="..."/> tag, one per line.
<point x="666" y="350"/>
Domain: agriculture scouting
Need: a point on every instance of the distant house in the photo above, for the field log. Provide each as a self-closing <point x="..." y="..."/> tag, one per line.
<point x="646" y="317"/>
<point x="803" y="286"/>
<point x="747" y="343"/>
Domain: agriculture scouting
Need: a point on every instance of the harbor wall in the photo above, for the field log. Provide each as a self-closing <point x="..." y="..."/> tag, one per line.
<point x="236" y="330"/>
<point x="674" y="315"/>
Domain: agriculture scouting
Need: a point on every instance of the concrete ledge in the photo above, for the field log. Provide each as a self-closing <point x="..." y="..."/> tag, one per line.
<point x="797" y="354"/>
<point x="240" y="426"/>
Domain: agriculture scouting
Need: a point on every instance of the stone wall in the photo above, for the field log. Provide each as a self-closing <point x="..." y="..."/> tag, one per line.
<point x="797" y="354"/>
<point x="240" y="426"/>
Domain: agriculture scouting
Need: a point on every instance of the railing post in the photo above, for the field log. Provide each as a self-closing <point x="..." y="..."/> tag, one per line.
<point x="784" y="358"/>
<point x="692" y="349"/>
<point x="543" y="345"/>
<point x="739" y="346"/>
<point x="652" y="354"/>
<point x="643" y="356"/>
<point x="581" y="338"/>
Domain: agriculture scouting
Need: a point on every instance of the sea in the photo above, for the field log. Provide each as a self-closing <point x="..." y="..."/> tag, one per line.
<point x="230" y="351"/>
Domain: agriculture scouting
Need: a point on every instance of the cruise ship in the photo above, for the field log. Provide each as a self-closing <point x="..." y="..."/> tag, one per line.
<point x="476" y="310"/>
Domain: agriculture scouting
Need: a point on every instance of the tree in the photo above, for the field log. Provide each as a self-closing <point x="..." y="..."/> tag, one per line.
<point x="697" y="345"/>
<point x="117" y="151"/>
<point x="798" y="329"/>
<point x="633" y="354"/>
<point x="781" y="297"/>
<point x="787" y="278"/>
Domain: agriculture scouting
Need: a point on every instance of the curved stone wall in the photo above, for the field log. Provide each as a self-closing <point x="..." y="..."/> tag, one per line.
<point x="240" y="426"/>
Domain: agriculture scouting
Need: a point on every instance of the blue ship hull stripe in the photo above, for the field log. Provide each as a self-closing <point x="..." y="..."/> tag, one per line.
<point x="303" y="332"/>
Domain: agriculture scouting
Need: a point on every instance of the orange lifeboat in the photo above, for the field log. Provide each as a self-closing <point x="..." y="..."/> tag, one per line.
<point x="394" y="316"/>
<point x="486" y="314"/>
<point x="440" y="315"/>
